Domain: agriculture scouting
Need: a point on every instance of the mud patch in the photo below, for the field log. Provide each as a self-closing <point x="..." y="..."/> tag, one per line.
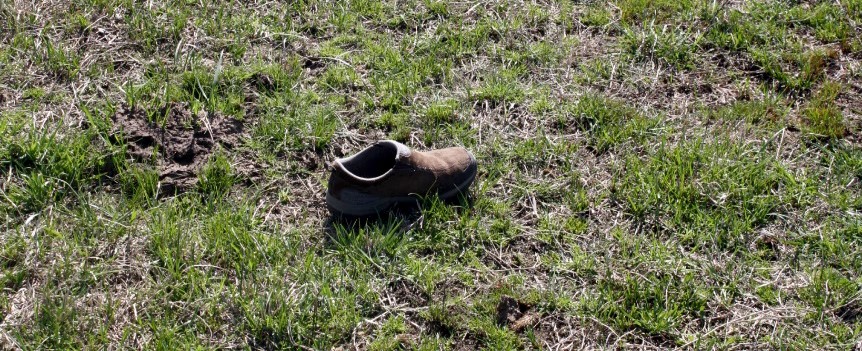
<point x="180" y="145"/>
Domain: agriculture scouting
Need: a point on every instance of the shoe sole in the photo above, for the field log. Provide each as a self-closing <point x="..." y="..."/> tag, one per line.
<point x="374" y="205"/>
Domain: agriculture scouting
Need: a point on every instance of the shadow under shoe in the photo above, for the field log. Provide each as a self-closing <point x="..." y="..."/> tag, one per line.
<point x="404" y="214"/>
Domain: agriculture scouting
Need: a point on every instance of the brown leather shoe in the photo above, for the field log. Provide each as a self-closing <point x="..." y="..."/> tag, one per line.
<point x="389" y="173"/>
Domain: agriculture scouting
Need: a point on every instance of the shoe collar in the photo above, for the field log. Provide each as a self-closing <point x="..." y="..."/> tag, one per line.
<point x="401" y="151"/>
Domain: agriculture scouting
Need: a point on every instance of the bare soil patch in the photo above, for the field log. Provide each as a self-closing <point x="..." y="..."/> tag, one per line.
<point x="181" y="145"/>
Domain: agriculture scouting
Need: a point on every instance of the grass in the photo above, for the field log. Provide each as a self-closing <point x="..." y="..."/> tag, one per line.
<point x="653" y="174"/>
<point x="823" y="118"/>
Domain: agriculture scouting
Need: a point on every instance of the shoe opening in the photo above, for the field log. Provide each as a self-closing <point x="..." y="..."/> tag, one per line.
<point x="372" y="162"/>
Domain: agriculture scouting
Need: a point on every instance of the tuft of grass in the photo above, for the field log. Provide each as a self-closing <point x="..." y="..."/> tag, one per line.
<point x="655" y="304"/>
<point x="36" y="192"/>
<point x="607" y="121"/>
<point x="395" y="124"/>
<point x="55" y="320"/>
<point x="60" y="62"/>
<point x="822" y="117"/>
<point x="140" y="184"/>
<point x="674" y="47"/>
<point x="847" y="163"/>
<point x="842" y="293"/>
<point x="437" y="8"/>
<point x="771" y="110"/>
<point x="273" y="79"/>
<point x="338" y="77"/>
<point x="696" y="193"/>
<point x="596" y="16"/>
<point x="738" y="32"/>
<point x="769" y="41"/>
<point x="498" y="91"/>
<point x="633" y="11"/>
<point x="810" y="65"/>
<point x="378" y="241"/>
<point x="217" y="176"/>
<point x="310" y="124"/>
<point x="388" y="337"/>
<point x="830" y="22"/>
<point x="51" y="165"/>
<point x="217" y="89"/>
<point x="442" y="112"/>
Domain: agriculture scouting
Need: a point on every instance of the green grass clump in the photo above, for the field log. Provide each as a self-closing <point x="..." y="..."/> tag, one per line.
<point x="608" y="122"/>
<point x="708" y="195"/>
<point x="498" y="91"/>
<point x="62" y="63"/>
<point x="842" y="291"/>
<point x="217" y="177"/>
<point x="830" y="22"/>
<point x="438" y="8"/>
<point x="140" y="184"/>
<point x="442" y="112"/>
<point x="768" y="111"/>
<point x="310" y="124"/>
<point x="847" y="162"/>
<point x="810" y="66"/>
<point x="50" y="164"/>
<point x="337" y="77"/>
<point x="214" y="90"/>
<point x="395" y="124"/>
<point x="670" y="46"/>
<point x="634" y="11"/>
<point x="654" y="304"/>
<point x="823" y="118"/>
<point x="767" y="37"/>
<point x="597" y="16"/>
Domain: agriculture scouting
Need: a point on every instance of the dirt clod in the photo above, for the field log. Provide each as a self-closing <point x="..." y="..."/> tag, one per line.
<point x="181" y="144"/>
<point x="406" y="291"/>
<point x="515" y="314"/>
<point x="850" y="312"/>
<point x="313" y="63"/>
<point x="262" y="81"/>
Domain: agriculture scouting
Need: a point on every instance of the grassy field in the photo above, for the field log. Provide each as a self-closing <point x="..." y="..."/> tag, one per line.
<point x="653" y="174"/>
